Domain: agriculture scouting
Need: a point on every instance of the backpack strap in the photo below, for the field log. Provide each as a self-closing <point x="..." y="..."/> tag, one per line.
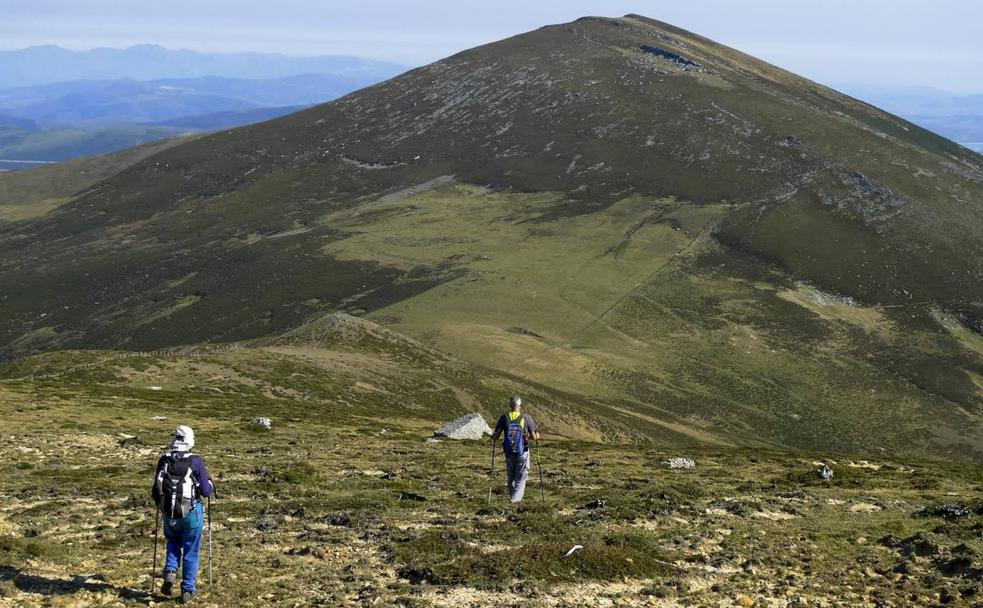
<point x="513" y="416"/>
<point x="194" y="477"/>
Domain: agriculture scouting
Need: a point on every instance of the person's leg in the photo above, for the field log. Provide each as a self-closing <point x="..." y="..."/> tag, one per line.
<point x="172" y="555"/>
<point x="172" y="534"/>
<point x="521" y="474"/>
<point x="191" y="546"/>
<point x="512" y="470"/>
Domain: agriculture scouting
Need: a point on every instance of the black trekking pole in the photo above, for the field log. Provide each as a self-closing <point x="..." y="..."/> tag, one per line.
<point x="539" y="461"/>
<point x="491" y="472"/>
<point x="153" y="569"/>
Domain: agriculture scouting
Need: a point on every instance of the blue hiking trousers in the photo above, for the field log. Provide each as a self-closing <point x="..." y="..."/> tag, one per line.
<point x="183" y="542"/>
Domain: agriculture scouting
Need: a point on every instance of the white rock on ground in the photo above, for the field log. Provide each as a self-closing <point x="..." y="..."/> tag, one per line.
<point x="470" y="426"/>
<point x="266" y="423"/>
<point x="681" y="463"/>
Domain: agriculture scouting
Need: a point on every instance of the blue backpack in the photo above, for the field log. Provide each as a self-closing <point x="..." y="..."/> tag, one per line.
<point x="515" y="435"/>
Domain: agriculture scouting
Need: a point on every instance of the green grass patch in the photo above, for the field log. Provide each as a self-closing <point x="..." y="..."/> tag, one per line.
<point x="448" y="558"/>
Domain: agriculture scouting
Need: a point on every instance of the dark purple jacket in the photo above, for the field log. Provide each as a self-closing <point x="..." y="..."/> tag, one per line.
<point x="197" y="469"/>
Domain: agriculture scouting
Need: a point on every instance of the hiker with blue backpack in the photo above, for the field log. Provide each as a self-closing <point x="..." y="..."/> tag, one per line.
<point x="519" y="430"/>
<point x="180" y="482"/>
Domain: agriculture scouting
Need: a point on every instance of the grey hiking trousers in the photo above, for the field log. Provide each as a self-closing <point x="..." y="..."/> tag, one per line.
<point x="518" y="472"/>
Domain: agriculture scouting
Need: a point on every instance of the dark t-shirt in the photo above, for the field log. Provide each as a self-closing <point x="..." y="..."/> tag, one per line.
<point x="503" y="423"/>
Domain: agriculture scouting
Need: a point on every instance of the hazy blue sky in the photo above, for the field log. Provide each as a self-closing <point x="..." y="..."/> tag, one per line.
<point x="904" y="42"/>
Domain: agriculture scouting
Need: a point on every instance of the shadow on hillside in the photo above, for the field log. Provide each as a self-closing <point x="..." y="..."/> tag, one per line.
<point x="56" y="586"/>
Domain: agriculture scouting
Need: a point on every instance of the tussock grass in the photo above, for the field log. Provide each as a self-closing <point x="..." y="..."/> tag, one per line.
<point x="340" y="525"/>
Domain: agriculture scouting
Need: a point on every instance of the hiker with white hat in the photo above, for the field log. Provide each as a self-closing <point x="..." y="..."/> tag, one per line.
<point x="180" y="482"/>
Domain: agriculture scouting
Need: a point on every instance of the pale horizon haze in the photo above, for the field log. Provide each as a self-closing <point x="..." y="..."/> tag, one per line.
<point x="872" y="42"/>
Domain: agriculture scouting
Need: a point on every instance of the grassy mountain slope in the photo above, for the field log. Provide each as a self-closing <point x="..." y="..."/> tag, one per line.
<point x="635" y="301"/>
<point x="338" y="361"/>
<point x="613" y="207"/>
<point x="29" y="194"/>
<point x="347" y="505"/>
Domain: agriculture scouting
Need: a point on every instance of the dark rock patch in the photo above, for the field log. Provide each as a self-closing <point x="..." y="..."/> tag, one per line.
<point x="522" y="331"/>
<point x="404" y="495"/>
<point x="948" y="511"/>
<point x="659" y="52"/>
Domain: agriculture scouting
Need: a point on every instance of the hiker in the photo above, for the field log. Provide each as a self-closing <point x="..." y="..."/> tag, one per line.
<point x="180" y="481"/>
<point x="519" y="429"/>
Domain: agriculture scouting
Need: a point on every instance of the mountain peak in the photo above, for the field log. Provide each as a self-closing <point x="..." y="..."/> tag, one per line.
<point x="686" y="227"/>
<point x="147" y="47"/>
<point x="46" y="48"/>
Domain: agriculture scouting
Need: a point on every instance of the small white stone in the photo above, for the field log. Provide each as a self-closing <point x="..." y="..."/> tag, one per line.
<point x="681" y="463"/>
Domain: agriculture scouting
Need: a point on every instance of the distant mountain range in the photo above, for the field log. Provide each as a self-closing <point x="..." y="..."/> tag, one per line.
<point x="101" y="103"/>
<point x="24" y="145"/>
<point x="226" y="120"/>
<point x="958" y="117"/>
<point x="61" y="121"/>
<point x="57" y="104"/>
<point x="49" y="64"/>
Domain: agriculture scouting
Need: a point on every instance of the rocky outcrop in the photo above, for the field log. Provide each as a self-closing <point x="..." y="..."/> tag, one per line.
<point x="470" y="426"/>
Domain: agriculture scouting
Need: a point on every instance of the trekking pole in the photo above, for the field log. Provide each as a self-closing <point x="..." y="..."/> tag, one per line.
<point x="153" y="568"/>
<point x="539" y="461"/>
<point x="491" y="472"/>
<point x="209" y="544"/>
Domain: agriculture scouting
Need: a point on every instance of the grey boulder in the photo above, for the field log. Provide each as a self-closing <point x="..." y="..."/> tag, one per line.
<point x="469" y="426"/>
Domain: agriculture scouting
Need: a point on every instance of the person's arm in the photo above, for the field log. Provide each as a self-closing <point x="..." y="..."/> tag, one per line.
<point x="154" y="490"/>
<point x="533" y="428"/>
<point x="499" y="428"/>
<point x="204" y="481"/>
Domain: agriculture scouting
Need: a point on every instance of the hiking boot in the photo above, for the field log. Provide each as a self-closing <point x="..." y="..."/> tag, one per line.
<point x="168" y="585"/>
<point x="187" y="596"/>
